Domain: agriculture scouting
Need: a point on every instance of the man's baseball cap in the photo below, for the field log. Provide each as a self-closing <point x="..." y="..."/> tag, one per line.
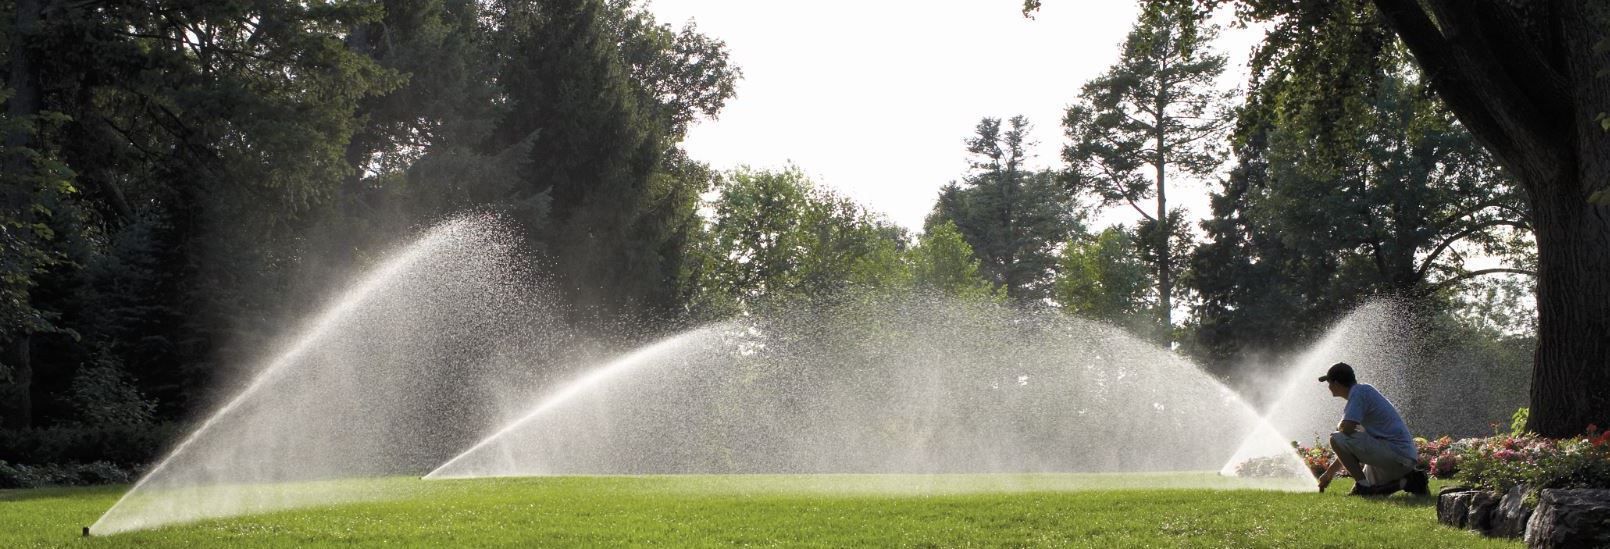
<point x="1341" y="373"/>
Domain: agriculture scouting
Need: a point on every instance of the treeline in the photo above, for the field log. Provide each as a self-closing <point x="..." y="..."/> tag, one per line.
<point x="183" y="179"/>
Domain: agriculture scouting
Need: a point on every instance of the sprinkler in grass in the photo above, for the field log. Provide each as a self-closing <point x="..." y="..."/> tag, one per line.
<point x="380" y="382"/>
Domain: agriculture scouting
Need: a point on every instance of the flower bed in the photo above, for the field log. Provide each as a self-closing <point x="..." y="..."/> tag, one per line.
<point x="1493" y="464"/>
<point x="1497" y="464"/>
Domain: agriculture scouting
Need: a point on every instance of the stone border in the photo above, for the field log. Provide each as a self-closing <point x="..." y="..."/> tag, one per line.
<point x="1563" y="518"/>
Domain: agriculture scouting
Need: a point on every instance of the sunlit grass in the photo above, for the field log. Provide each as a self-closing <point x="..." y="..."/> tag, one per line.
<point x="1095" y="510"/>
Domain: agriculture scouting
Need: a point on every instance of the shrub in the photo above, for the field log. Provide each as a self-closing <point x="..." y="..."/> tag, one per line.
<point x="1439" y="458"/>
<point x="1317" y="457"/>
<point x="13" y="475"/>
<point x="1266" y="467"/>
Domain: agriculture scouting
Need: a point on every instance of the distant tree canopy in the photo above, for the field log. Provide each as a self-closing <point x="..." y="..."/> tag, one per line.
<point x="777" y="236"/>
<point x="1104" y="277"/>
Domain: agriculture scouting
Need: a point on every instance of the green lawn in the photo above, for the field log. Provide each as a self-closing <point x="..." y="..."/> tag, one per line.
<point x="1095" y="510"/>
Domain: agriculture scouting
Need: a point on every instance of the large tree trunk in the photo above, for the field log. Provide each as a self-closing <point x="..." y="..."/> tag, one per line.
<point x="1525" y="78"/>
<point x="1571" y="374"/>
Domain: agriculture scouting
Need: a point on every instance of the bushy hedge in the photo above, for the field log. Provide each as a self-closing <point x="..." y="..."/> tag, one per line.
<point x="125" y="446"/>
<point x="72" y="474"/>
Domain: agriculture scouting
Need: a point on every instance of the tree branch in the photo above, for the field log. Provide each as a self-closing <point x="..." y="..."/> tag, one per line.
<point x="1461" y="235"/>
<point x="1481" y="93"/>
<point x="1473" y="274"/>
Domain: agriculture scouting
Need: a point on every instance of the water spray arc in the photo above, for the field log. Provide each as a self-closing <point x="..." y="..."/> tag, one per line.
<point x="630" y="361"/>
<point x="899" y="386"/>
<point x="353" y="393"/>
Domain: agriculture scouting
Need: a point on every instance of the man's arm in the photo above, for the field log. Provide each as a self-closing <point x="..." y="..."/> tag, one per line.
<point x="1347" y="426"/>
<point x="1330" y="473"/>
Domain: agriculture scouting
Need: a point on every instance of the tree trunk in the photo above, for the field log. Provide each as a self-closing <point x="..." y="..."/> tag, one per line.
<point x="1165" y="288"/>
<point x="1571" y="372"/>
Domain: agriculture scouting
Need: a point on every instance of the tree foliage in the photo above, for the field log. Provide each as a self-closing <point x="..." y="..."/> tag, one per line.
<point x="1104" y="277"/>
<point x="942" y="262"/>
<point x="181" y="178"/>
<point x="777" y="236"/>
<point x="1352" y="181"/>
<point x="1012" y="216"/>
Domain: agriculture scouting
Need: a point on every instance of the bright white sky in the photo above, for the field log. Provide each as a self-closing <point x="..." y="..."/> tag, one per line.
<point x="874" y="97"/>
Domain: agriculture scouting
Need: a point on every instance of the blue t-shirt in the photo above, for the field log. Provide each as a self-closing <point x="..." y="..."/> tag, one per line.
<point x="1369" y="408"/>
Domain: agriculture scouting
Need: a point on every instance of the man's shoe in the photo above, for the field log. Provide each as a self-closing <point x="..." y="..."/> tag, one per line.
<point x="1374" y="490"/>
<point x="1417" y="483"/>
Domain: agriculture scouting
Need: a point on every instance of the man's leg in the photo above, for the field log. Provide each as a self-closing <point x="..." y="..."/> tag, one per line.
<point x="1342" y="445"/>
<point x="1371" y="462"/>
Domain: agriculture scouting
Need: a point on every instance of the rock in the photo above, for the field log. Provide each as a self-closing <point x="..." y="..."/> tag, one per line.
<point x="1509" y="520"/>
<point x="1570" y="518"/>
<point x="1452" y="504"/>
<point x="1479" y="515"/>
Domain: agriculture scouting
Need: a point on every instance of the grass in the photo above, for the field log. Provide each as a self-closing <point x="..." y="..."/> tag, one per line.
<point x="1091" y="510"/>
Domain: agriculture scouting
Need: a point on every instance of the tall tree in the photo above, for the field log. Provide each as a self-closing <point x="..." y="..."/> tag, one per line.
<point x="1527" y="80"/>
<point x="603" y="94"/>
<point x="1155" y="113"/>
<point x="206" y="128"/>
<point x="1012" y="216"/>
<point x="1352" y="182"/>
<point x="24" y="256"/>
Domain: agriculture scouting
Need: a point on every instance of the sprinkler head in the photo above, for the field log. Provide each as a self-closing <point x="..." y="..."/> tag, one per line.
<point x="86" y="531"/>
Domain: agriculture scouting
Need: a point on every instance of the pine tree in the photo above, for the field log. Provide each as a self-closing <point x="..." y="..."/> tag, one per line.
<point x="1012" y="216"/>
<point x="1154" y="114"/>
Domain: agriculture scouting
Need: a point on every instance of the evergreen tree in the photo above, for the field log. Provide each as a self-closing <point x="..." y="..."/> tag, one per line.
<point x="1011" y="215"/>
<point x="602" y="95"/>
<point x="1155" y="113"/>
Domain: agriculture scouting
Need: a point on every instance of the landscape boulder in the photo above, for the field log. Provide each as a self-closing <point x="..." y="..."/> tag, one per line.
<point x="1570" y="518"/>
<point x="1479" y="513"/>
<point x="1510" y="518"/>
<point x="1453" y="503"/>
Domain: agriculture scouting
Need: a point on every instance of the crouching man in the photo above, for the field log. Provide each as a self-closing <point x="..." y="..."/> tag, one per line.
<point x="1371" y="442"/>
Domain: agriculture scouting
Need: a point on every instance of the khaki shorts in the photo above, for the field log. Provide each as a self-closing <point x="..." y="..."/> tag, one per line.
<point x="1381" y="464"/>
